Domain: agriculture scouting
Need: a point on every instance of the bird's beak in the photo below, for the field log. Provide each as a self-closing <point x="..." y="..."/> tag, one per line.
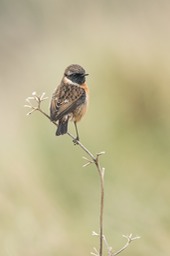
<point x="86" y="74"/>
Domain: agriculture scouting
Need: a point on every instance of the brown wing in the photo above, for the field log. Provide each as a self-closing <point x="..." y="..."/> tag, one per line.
<point x="65" y="100"/>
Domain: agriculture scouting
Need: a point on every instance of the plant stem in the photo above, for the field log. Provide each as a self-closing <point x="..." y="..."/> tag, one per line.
<point x="101" y="176"/>
<point x="100" y="171"/>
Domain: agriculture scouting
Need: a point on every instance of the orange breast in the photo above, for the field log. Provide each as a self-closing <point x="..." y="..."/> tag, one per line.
<point x="85" y="87"/>
<point x="81" y="110"/>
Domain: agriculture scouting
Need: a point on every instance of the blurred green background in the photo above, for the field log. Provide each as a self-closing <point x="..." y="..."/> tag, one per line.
<point x="49" y="204"/>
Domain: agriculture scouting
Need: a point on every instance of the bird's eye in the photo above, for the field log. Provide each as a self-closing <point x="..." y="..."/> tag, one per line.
<point x="78" y="74"/>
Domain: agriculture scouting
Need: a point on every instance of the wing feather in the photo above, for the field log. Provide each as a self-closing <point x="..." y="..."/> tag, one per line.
<point x="65" y="100"/>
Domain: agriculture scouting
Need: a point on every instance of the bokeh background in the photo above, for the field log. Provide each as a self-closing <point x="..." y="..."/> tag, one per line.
<point x="49" y="204"/>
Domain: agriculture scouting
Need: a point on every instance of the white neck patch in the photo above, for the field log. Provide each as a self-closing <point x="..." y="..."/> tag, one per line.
<point x="68" y="81"/>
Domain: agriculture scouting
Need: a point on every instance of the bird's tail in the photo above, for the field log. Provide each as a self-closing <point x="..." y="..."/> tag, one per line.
<point x="62" y="127"/>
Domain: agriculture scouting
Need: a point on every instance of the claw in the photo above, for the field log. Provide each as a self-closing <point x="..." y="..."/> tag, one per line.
<point x="75" y="141"/>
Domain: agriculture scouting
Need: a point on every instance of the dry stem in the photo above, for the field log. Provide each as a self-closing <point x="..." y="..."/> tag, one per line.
<point x="93" y="160"/>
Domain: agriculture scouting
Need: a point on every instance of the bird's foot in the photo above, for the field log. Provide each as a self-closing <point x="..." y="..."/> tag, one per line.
<point x="75" y="141"/>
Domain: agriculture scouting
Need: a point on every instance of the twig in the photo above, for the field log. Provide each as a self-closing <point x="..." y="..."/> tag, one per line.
<point x="129" y="240"/>
<point x="94" y="159"/>
<point x="101" y="171"/>
<point x="109" y="248"/>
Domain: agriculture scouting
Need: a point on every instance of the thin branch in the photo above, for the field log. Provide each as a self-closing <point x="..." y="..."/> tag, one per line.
<point x="101" y="203"/>
<point x="109" y="248"/>
<point x="129" y="240"/>
<point x="94" y="160"/>
<point x="101" y="171"/>
<point x="95" y="253"/>
<point x="88" y="161"/>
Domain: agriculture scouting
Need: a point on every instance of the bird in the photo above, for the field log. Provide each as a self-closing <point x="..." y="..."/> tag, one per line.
<point x="70" y="100"/>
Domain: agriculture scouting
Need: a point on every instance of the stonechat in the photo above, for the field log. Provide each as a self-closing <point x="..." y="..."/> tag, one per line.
<point x="70" y="99"/>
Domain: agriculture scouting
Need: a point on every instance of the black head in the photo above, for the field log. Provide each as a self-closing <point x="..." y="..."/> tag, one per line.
<point x="75" y="73"/>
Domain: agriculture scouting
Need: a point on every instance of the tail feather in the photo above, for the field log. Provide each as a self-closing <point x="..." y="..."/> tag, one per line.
<point x="62" y="127"/>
